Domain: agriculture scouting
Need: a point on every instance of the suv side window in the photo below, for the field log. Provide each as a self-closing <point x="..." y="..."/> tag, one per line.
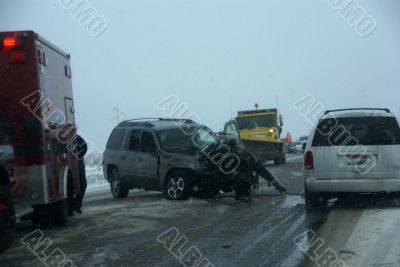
<point x="134" y="141"/>
<point x="116" y="139"/>
<point x="148" y="144"/>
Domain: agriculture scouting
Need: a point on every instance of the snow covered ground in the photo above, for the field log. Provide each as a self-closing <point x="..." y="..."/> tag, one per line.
<point x="95" y="179"/>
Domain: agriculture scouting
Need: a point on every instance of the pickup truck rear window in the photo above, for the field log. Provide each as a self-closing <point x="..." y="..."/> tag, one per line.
<point x="351" y="131"/>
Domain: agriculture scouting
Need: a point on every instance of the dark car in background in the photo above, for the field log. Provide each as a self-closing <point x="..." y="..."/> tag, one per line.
<point x="178" y="157"/>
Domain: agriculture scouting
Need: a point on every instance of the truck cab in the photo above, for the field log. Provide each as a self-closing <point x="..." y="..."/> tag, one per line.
<point x="260" y="131"/>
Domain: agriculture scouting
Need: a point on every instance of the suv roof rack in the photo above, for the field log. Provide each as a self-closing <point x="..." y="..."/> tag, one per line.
<point x="146" y="121"/>
<point x="141" y="119"/>
<point x="347" y="109"/>
<point x="178" y="120"/>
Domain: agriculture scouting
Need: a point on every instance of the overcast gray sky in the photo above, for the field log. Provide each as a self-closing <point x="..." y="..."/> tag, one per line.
<point x="207" y="51"/>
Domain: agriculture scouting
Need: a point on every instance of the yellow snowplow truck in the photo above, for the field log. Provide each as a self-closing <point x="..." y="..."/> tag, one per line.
<point x="260" y="132"/>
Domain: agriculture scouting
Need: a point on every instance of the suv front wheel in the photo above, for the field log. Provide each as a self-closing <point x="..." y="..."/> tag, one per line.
<point x="177" y="185"/>
<point x="118" y="188"/>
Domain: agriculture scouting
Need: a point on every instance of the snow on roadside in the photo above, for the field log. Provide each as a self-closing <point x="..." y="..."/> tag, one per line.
<point x="360" y="237"/>
<point x="95" y="179"/>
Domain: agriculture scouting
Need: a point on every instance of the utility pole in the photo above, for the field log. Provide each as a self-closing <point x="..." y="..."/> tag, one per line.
<point x="118" y="113"/>
<point x="230" y="106"/>
<point x="277" y="103"/>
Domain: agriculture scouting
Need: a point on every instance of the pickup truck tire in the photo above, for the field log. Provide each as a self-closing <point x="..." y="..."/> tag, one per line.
<point x="118" y="188"/>
<point x="177" y="185"/>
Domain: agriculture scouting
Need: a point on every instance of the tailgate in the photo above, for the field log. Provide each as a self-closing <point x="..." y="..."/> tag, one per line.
<point x="358" y="147"/>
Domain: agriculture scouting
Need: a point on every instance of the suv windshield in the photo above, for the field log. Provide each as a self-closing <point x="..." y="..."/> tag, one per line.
<point x="179" y="140"/>
<point x="357" y="131"/>
<point x="259" y="121"/>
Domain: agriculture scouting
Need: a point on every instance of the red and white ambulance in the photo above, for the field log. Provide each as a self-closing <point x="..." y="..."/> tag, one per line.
<point x="37" y="128"/>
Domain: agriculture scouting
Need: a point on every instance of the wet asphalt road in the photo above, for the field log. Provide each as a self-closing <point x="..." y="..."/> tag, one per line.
<point x="266" y="231"/>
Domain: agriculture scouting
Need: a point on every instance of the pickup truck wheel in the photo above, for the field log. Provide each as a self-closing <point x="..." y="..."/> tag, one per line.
<point x="118" y="188"/>
<point x="177" y="185"/>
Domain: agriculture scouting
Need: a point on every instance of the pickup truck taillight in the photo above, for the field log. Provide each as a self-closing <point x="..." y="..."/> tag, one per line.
<point x="308" y="161"/>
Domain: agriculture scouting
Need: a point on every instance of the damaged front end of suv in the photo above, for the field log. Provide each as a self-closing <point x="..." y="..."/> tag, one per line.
<point x="197" y="156"/>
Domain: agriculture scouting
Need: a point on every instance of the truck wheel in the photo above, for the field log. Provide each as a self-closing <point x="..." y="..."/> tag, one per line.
<point x="243" y="190"/>
<point x="283" y="159"/>
<point x="118" y="188"/>
<point x="177" y="185"/>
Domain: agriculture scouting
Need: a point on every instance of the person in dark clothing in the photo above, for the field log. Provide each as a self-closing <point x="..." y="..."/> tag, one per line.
<point x="81" y="149"/>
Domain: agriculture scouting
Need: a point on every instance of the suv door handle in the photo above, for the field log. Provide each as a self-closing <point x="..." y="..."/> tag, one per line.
<point x="140" y="159"/>
<point x="123" y="157"/>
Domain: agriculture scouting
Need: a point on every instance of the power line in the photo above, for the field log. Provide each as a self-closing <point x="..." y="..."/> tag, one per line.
<point x="118" y="114"/>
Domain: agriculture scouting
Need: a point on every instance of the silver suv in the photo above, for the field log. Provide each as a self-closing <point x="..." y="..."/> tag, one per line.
<point x="177" y="157"/>
<point x="352" y="151"/>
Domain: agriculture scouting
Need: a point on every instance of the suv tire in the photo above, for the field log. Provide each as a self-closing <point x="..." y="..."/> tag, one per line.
<point x="118" y="188"/>
<point x="177" y="185"/>
<point x="243" y="190"/>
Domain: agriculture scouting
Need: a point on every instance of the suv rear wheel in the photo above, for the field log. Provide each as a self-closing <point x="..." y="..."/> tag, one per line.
<point x="177" y="185"/>
<point x="118" y="188"/>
